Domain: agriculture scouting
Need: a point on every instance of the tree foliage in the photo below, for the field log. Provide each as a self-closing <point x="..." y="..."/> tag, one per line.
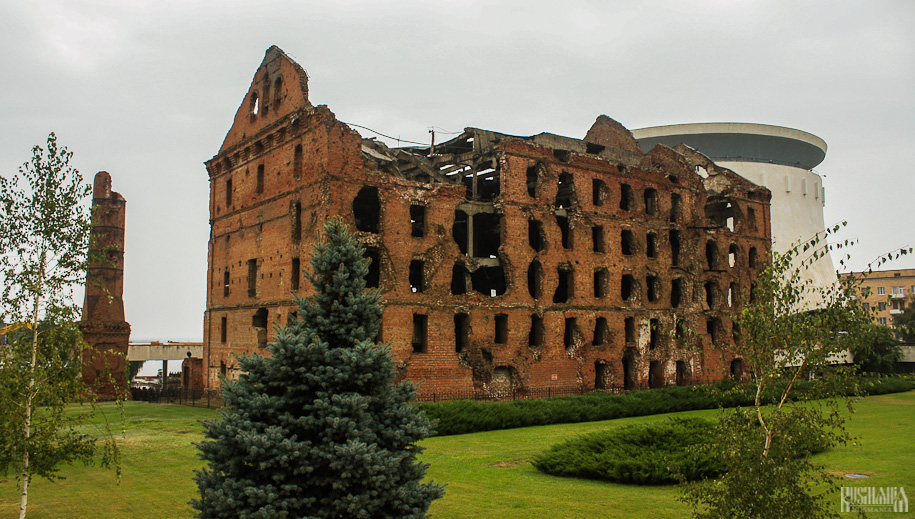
<point x="319" y="428"/>
<point x="790" y="330"/>
<point x="878" y="350"/>
<point x="44" y="238"/>
<point x="905" y="323"/>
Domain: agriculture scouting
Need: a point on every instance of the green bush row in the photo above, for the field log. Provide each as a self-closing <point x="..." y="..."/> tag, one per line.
<point x="467" y="416"/>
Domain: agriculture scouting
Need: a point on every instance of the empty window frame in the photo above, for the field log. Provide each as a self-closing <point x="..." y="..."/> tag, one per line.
<point x="601" y="331"/>
<point x="600" y="283"/>
<point x="252" y="278"/>
<point x="568" y="336"/>
<point x="711" y="328"/>
<point x="461" y="331"/>
<point x="260" y="179"/>
<point x="459" y="277"/>
<point x="297" y="162"/>
<point x="420" y="333"/>
<point x="733" y="254"/>
<point x="373" y="275"/>
<point x="536" y="335"/>
<point x="674" y="239"/>
<point x="223" y="329"/>
<point x="676" y="292"/>
<point x="751" y="219"/>
<point x="711" y="255"/>
<point x="296" y="224"/>
<point x="565" y="287"/>
<point x="656" y="374"/>
<point x="295" y="275"/>
<point x="628" y="287"/>
<point x="501" y="331"/>
<point x="682" y="373"/>
<point x="535" y="279"/>
<point x="417" y="220"/>
<point x="367" y="210"/>
<point x="652" y="288"/>
<point x="732" y="295"/>
<point x="535" y="235"/>
<point x="228" y="193"/>
<point x="629" y="327"/>
<point x="533" y="180"/>
<point x="597" y="238"/>
<point x="598" y="192"/>
<point x="225" y="283"/>
<point x="711" y="294"/>
<point x="752" y="257"/>
<point x="651" y="245"/>
<point x="626" y="197"/>
<point x="654" y="333"/>
<point x="676" y="205"/>
<point x="417" y="281"/>
<point x="564" y="230"/>
<point x="651" y="201"/>
<point x="565" y="193"/>
<point x="627" y="242"/>
<point x="488" y="281"/>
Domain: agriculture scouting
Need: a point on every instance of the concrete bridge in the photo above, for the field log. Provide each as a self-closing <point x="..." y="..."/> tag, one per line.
<point x="165" y="352"/>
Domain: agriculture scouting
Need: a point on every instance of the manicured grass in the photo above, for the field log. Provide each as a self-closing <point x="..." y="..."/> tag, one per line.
<point x="488" y="474"/>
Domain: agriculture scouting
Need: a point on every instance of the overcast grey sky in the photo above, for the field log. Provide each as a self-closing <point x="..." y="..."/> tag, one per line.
<point x="147" y="90"/>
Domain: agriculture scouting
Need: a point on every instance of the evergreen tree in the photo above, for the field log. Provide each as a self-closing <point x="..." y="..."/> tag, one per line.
<point x="319" y="429"/>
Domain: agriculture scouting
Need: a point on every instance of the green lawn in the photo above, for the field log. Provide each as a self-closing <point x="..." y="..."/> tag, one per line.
<point x="488" y="474"/>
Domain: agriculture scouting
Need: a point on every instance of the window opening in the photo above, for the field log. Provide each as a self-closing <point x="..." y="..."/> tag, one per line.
<point x="297" y="221"/>
<point x="568" y="337"/>
<point x="598" y="192"/>
<point x="732" y="255"/>
<point x="676" y="292"/>
<point x="489" y="281"/>
<point x="461" y="332"/>
<point x="225" y="283"/>
<point x="654" y="330"/>
<point x="627" y="287"/>
<point x="601" y="331"/>
<point x="420" y="330"/>
<point x="602" y="374"/>
<point x="223" y="329"/>
<point x="652" y="285"/>
<point x="565" y="194"/>
<point x="597" y="238"/>
<point x="260" y="179"/>
<point x="711" y="296"/>
<point x="651" y="245"/>
<point x="535" y="279"/>
<point x="252" y="278"/>
<point x="373" y="275"/>
<point x="651" y="201"/>
<point x="751" y="219"/>
<point x="626" y="197"/>
<point x="629" y="326"/>
<point x="737" y="369"/>
<point x="277" y="90"/>
<point x="535" y="337"/>
<point x="535" y="235"/>
<point x="459" y="275"/>
<point x="295" y="274"/>
<point x="460" y="231"/>
<point x="628" y="374"/>
<point x="676" y="202"/>
<point x="367" y="210"/>
<point x="297" y="162"/>
<point x="682" y="374"/>
<point x="751" y="257"/>
<point x="674" y="238"/>
<point x="655" y="374"/>
<point x="417" y="220"/>
<point x="501" y="332"/>
<point x="711" y="328"/>
<point x="533" y="180"/>
<point x="563" y="224"/>
<point x="732" y="295"/>
<point x="259" y="322"/>
<point x="627" y="245"/>
<point x="228" y="193"/>
<point x="711" y="255"/>
<point x="416" y="276"/>
<point x="563" y="292"/>
<point x="600" y="283"/>
<point x="487" y="235"/>
<point x="593" y="149"/>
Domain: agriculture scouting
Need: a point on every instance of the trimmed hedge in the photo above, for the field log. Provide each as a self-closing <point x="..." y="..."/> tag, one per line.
<point x="648" y="454"/>
<point x="467" y="416"/>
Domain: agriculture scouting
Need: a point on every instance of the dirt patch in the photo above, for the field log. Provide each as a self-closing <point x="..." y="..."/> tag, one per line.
<point x="511" y="463"/>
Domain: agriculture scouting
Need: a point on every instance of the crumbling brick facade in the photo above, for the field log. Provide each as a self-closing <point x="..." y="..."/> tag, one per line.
<point x="504" y="262"/>
<point x="103" y="326"/>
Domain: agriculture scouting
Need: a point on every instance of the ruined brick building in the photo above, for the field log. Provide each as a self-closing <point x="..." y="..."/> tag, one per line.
<point x="503" y="261"/>
<point x="103" y="326"/>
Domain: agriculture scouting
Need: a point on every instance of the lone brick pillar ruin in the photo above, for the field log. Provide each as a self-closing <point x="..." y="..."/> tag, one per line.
<point x="104" y="329"/>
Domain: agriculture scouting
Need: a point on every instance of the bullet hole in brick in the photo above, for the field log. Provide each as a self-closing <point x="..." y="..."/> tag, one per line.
<point x="626" y="197"/>
<point x="651" y="201"/>
<point x="598" y="192"/>
<point x="653" y="288"/>
<point x="535" y="235"/>
<point x="563" y="292"/>
<point x="535" y="337"/>
<point x="676" y="292"/>
<point x="627" y="242"/>
<point x="674" y="238"/>
<point x="417" y="221"/>
<point x="600" y="283"/>
<point x="461" y="332"/>
<point x="563" y="224"/>
<point x="417" y="283"/>
<point x="568" y="337"/>
<point x="367" y="210"/>
<point x="655" y="374"/>
<point x="651" y="245"/>
<point x="654" y="333"/>
<point x="459" y="275"/>
<point x="565" y="194"/>
<point x="373" y="274"/>
<point x="420" y="333"/>
<point x="601" y="331"/>
<point x="597" y="239"/>
<point x="627" y="287"/>
<point x="629" y="326"/>
<point x="535" y="279"/>
<point x="488" y="281"/>
<point x="501" y="331"/>
<point x="711" y="255"/>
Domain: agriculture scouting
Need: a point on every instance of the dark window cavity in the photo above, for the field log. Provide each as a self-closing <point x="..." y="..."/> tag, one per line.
<point x="295" y="275"/>
<point x="626" y="197"/>
<point x="676" y="292"/>
<point x="225" y="283"/>
<point x="674" y="238"/>
<point x="598" y="192"/>
<point x="535" y="279"/>
<point x="367" y="210"/>
<point x="252" y="278"/>
<point x="459" y="275"/>
<point x="651" y="245"/>
<point x="601" y="331"/>
<point x="653" y="288"/>
<point x="420" y="333"/>
<point x="563" y="292"/>
<point x="260" y="179"/>
<point x="711" y="255"/>
<point x="461" y="332"/>
<point x="373" y="276"/>
<point x="501" y="332"/>
<point x="651" y="201"/>
<point x="568" y="337"/>
<point x="563" y="223"/>
<point x="418" y="220"/>
<point x="535" y="235"/>
<point x="627" y="242"/>
<point x="535" y="338"/>
<point x="600" y="283"/>
<point x="597" y="238"/>
<point x="417" y="283"/>
<point x="629" y="325"/>
<point x="565" y="194"/>
<point x="627" y="287"/>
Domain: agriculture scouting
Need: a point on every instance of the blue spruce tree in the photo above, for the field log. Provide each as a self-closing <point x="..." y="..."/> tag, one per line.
<point x="319" y="429"/>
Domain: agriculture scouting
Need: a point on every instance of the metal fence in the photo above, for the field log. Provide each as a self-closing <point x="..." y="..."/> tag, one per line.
<point x="211" y="398"/>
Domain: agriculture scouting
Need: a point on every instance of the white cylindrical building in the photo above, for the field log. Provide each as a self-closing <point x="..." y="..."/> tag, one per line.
<point x="782" y="159"/>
